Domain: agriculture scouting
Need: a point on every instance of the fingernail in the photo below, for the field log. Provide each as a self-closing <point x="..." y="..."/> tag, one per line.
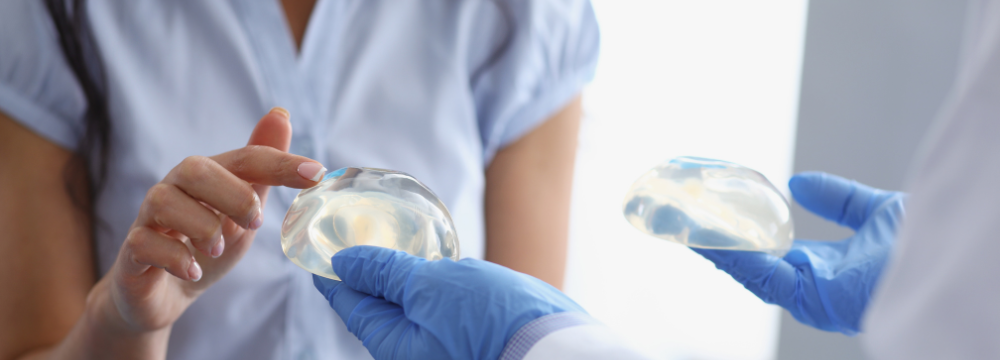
<point x="194" y="271"/>
<point x="257" y="221"/>
<point x="311" y="170"/>
<point x="280" y="110"/>
<point x="217" y="249"/>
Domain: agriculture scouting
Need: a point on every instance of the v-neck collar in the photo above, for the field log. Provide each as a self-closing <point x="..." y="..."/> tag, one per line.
<point x="301" y="80"/>
<point x="312" y="24"/>
<point x="268" y="34"/>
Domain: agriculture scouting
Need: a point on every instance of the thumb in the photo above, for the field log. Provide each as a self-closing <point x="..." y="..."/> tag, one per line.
<point x="342" y="299"/>
<point x="374" y="270"/>
<point x="374" y="321"/>
<point x="845" y="202"/>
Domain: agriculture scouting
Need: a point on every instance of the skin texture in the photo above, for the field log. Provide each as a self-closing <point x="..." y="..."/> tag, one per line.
<point x="40" y="303"/>
<point x="528" y="187"/>
<point x="297" y="13"/>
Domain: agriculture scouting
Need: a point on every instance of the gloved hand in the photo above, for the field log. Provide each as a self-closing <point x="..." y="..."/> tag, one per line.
<point x="824" y="284"/>
<point x="405" y="307"/>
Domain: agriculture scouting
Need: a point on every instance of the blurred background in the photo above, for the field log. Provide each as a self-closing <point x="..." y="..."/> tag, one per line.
<point x="782" y="86"/>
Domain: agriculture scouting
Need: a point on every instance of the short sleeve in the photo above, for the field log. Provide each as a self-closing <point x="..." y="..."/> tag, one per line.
<point x="549" y="54"/>
<point x="37" y="87"/>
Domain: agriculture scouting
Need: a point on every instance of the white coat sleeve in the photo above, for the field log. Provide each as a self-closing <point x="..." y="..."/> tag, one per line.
<point x="567" y="336"/>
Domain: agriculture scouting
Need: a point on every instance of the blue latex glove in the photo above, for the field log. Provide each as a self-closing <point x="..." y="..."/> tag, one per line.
<point x="405" y="307"/>
<point x="824" y="284"/>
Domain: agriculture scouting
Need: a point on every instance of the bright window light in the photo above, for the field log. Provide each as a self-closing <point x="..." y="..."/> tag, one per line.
<point x="717" y="79"/>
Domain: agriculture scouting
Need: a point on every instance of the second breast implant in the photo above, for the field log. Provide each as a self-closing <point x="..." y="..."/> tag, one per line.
<point x="366" y="206"/>
<point x="711" y="204"/>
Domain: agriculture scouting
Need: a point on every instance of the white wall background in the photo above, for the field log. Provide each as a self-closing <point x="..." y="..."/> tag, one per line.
<point x="713" y="78"/>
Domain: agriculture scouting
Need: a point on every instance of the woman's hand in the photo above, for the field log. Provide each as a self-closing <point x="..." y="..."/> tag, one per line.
<point x="193" y="227"/>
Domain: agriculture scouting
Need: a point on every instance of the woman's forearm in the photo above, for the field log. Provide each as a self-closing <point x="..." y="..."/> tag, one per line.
<point x="100" y="333"/>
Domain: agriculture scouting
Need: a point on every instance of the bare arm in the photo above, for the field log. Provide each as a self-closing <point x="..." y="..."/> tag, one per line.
<point x="47" y="268"/>
<point x="46" y="262"/>
<point x="528" y="188"/>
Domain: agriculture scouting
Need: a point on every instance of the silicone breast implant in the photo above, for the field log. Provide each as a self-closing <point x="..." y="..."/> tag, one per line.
<point x="710" y="204"/>
<point x="366" y="206"/>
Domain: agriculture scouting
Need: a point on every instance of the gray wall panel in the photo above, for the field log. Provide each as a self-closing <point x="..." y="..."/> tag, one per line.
<point x="874" y="75"/>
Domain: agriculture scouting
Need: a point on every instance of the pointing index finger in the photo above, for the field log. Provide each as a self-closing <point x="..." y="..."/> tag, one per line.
<point x="265" y="165"/>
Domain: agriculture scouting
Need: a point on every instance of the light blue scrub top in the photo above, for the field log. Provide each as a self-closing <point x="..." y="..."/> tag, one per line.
<point x="430" y="87"/>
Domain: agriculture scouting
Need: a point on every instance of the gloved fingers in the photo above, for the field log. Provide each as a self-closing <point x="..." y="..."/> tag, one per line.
<point x="822" y="258"/>
<point x="378" y="324"/>
<point x="769" y="277"/>
<point x="366" y="316"/>
<point x="834" y="198"/>
<point x="343" y="299"/>
<point x="325" y="286"/>
<point x="888" y="220"/>
<point x="376" y="271"/>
